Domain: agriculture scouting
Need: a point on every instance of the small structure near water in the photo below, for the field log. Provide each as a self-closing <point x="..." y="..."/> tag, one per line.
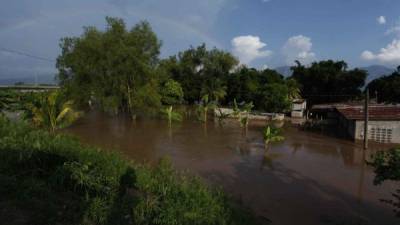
<point x="251" y="115"/>
<point x="383" y="125"/>
<point x="299" y="107"/>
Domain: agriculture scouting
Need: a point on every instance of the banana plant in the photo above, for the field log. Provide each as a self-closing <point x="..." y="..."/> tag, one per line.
<point x="244" y="120"/>
<point x="272" y="134"/>
<point x="242" y="113"/>
<point x="52" y="111"/>
<point x="171" y="115"/>
<point x="204" y="107"/>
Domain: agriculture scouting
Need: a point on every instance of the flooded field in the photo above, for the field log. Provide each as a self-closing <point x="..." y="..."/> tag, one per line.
<point x="306" y="179"/>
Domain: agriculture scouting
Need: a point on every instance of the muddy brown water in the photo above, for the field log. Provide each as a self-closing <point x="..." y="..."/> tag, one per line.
<point x="307" y="179"/>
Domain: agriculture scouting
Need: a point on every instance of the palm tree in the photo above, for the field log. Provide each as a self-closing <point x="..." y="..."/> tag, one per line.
<point x="52" y="111"/>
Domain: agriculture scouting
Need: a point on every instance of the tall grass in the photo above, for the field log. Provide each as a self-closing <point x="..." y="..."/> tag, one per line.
<point x="48" y="178"/>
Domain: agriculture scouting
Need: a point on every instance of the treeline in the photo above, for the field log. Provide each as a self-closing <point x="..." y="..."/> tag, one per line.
<point x="386" y="88"/>
<point x="119" y="70"/>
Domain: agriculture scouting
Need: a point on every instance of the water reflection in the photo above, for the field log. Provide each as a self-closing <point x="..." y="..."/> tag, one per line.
<point x="308" y="177"/>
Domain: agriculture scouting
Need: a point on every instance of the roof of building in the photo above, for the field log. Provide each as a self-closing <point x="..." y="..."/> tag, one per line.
<point x="376" y="112"/>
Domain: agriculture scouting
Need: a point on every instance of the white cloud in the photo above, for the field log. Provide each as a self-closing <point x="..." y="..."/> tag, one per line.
<point x="395" y="29"/>
<point x="381" y="20"/>
<point x="298" y="48"/>
<point x="389" y="55"/>
<point x="248" y="48"/>
<point x="265" y="1"/>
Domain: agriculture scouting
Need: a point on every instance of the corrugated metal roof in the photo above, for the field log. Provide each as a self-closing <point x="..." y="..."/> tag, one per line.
<point x="376" y="112"/>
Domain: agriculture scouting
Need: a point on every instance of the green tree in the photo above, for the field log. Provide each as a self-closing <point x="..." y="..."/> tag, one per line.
<point x="267" y="89"/>
<point x="274" y="98"/>
<point x="171" y="93"/>
<point x="201" y="72"/>
<point x="328" y="81"/>
<point x="387" y="87"/>
<point x="117" y="64"/>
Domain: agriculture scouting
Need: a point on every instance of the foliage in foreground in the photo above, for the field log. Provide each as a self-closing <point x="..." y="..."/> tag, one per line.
<point x="51" y="110"/>
<point x="387" y="167"/>
<point x="49" y="178"/>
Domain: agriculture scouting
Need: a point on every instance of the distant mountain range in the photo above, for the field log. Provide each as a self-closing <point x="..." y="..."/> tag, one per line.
<point x="377" y="71"/>
<point x="374" y="71"/>
<point x="284" y="70"/>
<point x="42" y="79"/>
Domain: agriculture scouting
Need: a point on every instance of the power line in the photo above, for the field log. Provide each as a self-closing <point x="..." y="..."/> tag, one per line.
<point x="26" y="54"/>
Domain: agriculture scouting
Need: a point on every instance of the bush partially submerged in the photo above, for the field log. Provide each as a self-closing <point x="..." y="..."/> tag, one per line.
<point x="50" y="178"/>
<point x="387" y="167"/>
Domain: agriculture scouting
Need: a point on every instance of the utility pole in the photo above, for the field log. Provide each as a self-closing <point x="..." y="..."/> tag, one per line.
<point x="366" y="115"/>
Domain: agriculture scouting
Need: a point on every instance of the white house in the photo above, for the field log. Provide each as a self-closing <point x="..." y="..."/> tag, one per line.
<point x="298" y="108"/>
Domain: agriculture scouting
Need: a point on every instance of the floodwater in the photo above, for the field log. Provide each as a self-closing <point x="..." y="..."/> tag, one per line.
<point x="307" y="179"/>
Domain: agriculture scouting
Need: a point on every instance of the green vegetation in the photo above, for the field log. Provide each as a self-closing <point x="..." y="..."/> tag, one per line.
<point x="52" y="111"/>
<point x="203" y="108"/>
<point x="170" y="115"/>
<point x="171" y="93"/>
<point x="329" y="81"/>
<point x="266" y="89"/>
<point x="201" y="72"/>
<point x="118" y="70"/>
<point x="272" y="134"/>
<point x="115" y="67"/>
<point x="10" y="100"/>
<point x="387" y="167"/>
<point x="48" y="178"/>
<point x="387" y="88"/>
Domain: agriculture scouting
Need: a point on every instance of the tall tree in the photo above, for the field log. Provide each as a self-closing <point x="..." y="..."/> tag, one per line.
<point x="201" y="72"/>
<point x="116" y="67"/>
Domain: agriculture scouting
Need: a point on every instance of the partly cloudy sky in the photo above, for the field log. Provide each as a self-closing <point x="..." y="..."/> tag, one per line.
<point x="258" y="32"/>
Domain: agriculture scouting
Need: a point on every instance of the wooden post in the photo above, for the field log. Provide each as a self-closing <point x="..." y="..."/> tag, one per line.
<point x="366" y="115"/>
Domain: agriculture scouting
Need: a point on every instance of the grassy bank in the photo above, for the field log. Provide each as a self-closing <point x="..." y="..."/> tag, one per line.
<point x="53" y="179"/>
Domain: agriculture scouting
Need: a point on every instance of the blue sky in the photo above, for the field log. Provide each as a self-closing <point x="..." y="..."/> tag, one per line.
<point x="261" y="33"/>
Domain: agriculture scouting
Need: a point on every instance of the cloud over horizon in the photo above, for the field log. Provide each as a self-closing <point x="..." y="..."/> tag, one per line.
<point x="389" y="55"/>
<point x="249" y="48"/>
<point x="298" y="48"/>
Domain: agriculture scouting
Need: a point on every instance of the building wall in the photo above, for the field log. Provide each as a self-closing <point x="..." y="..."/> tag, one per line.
<point x="379" y="131"/>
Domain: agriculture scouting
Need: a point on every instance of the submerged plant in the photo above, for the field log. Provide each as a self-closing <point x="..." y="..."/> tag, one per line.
<point x="272" y="134"/>
<point x="386" y="166"/>
<point x="171" y="115"/>
<point x="221" y="116"/>
<point x="242" y="113"/>
<point x="204" y="107"/>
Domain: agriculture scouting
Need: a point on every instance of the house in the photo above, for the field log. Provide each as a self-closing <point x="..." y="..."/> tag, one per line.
<point x="298" y="108"/>
<point x="383" y="124"/>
